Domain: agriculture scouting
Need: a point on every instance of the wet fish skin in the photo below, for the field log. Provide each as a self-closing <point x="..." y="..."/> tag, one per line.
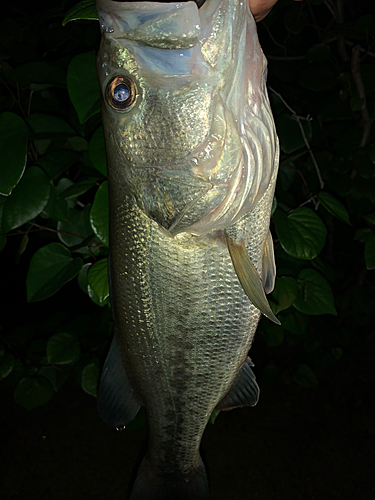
<point x="191" y="164"/>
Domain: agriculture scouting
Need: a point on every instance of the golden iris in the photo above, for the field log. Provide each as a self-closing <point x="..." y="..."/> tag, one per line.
<point x="121" y="93"/>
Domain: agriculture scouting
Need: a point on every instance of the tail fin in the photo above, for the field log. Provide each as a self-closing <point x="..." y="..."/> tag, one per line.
<point x="154" y="484"/>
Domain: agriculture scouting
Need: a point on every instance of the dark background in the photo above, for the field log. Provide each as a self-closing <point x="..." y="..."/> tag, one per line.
<point x="299" y="442"/>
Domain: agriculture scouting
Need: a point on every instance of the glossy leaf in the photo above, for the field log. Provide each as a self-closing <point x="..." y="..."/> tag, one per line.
<point x="98" y="280"/>
<point x="294" y="321"/>
<point x="33" y="392"/>
<point x="13" y="150"/>
<point x="78" y="188"/>
<point x="90" y="379"/>
<point x="334" y="207"/>
<point x="50" y="268"/>
<point x="302" y="234"/>
<point x="305" y="376"/>
<point x="97" y="152"/>
<point x="274" y="334"/>
<point x="284" y="293"/>
<point x="76" y="228"/>
<point x="82" y="10"/>
<point x="6" y="364"/>
<point x="83" y="85"/>
<point x="62" y="348"/>
<point x="27" y="200"/>
<point x="318" y="77"/>
<point x="99" y="215"/>
<point x="315" y="294"/>
<point x="370" y="253"/>
<point x="49" y="125"/>
<point x="289" y="132"/>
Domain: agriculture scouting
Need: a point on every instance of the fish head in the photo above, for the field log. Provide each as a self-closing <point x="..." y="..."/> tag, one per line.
<point x="176" y="104"/>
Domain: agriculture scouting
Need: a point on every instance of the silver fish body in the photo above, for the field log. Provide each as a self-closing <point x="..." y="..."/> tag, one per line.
<point x="192" y="162"/>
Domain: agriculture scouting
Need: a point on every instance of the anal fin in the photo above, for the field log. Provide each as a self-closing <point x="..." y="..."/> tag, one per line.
<point x="245" y="390"/>
<point x="249" y="278"/>
<point x="117" y="403"/>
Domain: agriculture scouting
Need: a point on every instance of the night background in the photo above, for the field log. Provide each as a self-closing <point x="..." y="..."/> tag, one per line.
<point x="312" y="434"/>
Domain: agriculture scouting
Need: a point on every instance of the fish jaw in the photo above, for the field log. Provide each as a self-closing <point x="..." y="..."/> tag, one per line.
<point x="196" y="149"/>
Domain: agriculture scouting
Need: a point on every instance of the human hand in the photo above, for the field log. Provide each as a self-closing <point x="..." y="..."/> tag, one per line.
<point x="260" y="8"/>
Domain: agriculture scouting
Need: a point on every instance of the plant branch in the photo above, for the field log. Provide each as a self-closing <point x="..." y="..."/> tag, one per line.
<point x="356" y="73"/>
<point x="299" y="121"/>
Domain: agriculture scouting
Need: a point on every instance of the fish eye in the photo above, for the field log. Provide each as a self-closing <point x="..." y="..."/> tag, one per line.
<point x="121" y="93"/>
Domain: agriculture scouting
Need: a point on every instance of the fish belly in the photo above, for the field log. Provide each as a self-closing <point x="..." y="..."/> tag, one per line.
<point x="184" y="324"/>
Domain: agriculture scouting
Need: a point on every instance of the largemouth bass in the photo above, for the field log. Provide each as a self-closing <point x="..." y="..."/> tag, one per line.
<point x="192" y="157"/>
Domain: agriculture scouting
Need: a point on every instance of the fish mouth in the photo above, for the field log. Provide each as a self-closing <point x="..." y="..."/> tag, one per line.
<point x="198" y="2"/>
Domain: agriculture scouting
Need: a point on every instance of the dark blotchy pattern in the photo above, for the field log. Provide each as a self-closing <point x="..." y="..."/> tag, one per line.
<point x="185" y="325"/>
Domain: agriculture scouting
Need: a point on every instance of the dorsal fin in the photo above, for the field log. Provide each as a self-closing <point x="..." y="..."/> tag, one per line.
<point x="245" y="390"/>
<point x="249" y="278"/>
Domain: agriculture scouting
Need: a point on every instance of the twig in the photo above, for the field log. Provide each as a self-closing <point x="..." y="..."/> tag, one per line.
<point x="356" y="73"/>
<point x="45" y="228"/>
<point x="298" y="120"/>
<point x="286" y="58"/>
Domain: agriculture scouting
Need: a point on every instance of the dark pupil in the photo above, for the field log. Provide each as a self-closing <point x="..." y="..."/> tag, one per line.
<point x="121" y="92"/>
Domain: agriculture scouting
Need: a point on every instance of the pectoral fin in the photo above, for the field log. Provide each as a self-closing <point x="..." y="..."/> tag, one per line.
<point x="249" y="278"/>
<point x="117" y="403"/>
<point x="268" y="265"/>
<point x="245" y="390"/>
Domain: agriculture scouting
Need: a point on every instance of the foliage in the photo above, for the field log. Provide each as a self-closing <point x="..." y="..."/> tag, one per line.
<point x="54" y="212"/>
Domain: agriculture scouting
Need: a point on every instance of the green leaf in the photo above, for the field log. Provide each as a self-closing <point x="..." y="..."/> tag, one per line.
<point x="99" y="215"/>
<point x="3" y="241"/>
<point x="370" y="218"/>
<point x="305" y="376"/>
<point x="62" y="348"/>
<point x="14" y="134"/>
<point x="90" y="379"/>
<point x="83" y="85"/>
<point x="274" y="334"/>
<point x="295" y="19"/>
<point x="27" y="200"/>
<point x="78" y="188"/>
<point x="302" y="234"/>
<point x="334" y="207"/>
<point x="98" y="280"/>
<point x="83" y="10"/>
<point x="284" y="293"/>
<point x="76" y="228"/>
<point x="97" y="151"/>
<point x="49" y="125"/>
<point x="39" y="75"/>
<point x="6" y="365"/>
<point x="56" y="162"/>
<point x="56" y="376"/>
<point x="318" y="53"/>
<point x="370" y="253"/>
<point x="315" y="294"/>
<point x="33" y="392"/>
<point x="318" y="77"/>
<point x="50" y="268"/>
<point x="363" y="234"/>
<point x="214" y="415"/>
<point x="294" y="321"/>
<point x="290" y="135"/>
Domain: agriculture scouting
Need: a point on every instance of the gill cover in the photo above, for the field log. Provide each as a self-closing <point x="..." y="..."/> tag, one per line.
<point x="198" y="147"/>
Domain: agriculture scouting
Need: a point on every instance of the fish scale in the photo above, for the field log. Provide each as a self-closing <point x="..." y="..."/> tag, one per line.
<point x="192" y="166"/>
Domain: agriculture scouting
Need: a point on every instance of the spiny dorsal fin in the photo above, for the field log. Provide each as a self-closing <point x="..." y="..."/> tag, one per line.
<point x="268" y="265"/>
<point x="245" y="390"/>
<point x="249" y="278"/>
<point x="117" y="403"/>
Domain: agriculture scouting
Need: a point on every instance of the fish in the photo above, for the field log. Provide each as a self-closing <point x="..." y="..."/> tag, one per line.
<point x="192" y="160"/>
